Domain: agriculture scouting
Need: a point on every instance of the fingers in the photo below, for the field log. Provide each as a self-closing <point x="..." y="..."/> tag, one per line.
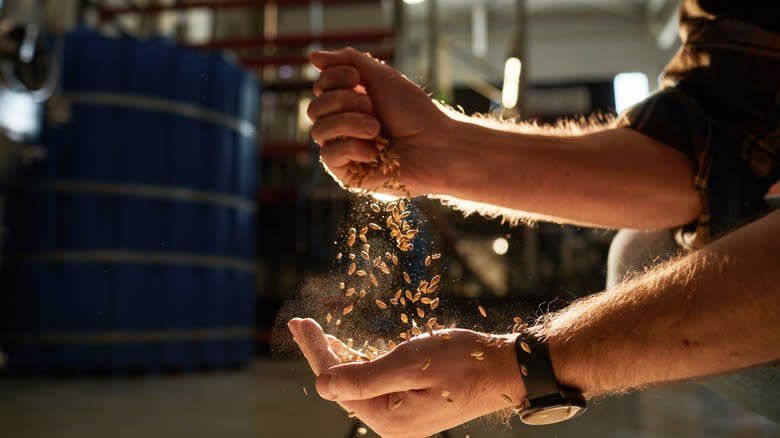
<point x="364" y="380"/>
<point x="339" y="101"/>
<point x="313" y="343"/>
<point x="340" y="153"/>
<point x="336" y="77"/>
<point x="354" y="125"/>
<point x="369" y="68"/>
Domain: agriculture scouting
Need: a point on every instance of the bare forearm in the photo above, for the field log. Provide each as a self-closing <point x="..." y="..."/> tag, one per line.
<point x="712" y="311"/>
<point x="612" y="178"/>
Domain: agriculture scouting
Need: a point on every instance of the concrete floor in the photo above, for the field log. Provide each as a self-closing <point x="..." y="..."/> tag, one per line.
<point x="267" y="400"/>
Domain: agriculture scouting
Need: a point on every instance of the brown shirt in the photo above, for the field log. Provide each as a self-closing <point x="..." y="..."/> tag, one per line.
<point x="718" y="102"/>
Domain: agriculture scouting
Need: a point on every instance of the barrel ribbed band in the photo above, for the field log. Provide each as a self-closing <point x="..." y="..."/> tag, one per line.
<point x="145" y="191"/>
<point x="128" y="336"/>
<point x="134" y="101"/>
<point x="99" y="256"/>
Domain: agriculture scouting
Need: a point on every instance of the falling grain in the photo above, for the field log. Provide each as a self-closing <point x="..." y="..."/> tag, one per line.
<point x="328" y="318"/>
<point x="507" y="399"/>
<point x="351" y="268"/>
<point x="436" y="256"/>
<point x="407" y="278"/>
<point x="420" y="313"/>
<point x="395" y="260"/>
<point x="404" y="318"/>
<point x="338" y="256"/>
<point x="374" y="226"/>
<point x="362" y="293"/>
<point x="381" y="304"/>
<point x="445" y="392"/>
<point x="305" y="392"/>
<point x="375" y="208"/>
<point x="373" y="280"/>
<point x="383" y="267"/>
<point x="416" y="297"/>
<point x="365" y="255"/>
<point x="398" y="403"/>
<point x="401" y="205"/>
<point x="351" y="256"/>
<point x="426" y="364"/>
<point x="377" y="261"/>
<point x="348" y="309"/>
<point x="363" y="238"/>
<point x="350" y="291"/>
<point x="525" y="347"/>
<point x="435" y="303"/>
<point x="524" y="369"/>
<point x="351" y="240"/>
<point x="477" y="353"/>
<point x="361" y="273"/>
<point x="435" y="280"/>
<point x="341" y="285"/>
<point x="428" y="261"/>
<point x="426" y="300"/>
<point x="409" y="294"/>
<point x="482" y="311"/>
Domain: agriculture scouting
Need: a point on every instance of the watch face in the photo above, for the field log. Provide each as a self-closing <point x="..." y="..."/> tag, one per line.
<point x="550" y="414"/>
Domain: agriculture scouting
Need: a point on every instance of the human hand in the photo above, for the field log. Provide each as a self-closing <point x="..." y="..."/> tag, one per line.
<point x="357" y="97"/>
<point x="454" y="386"/>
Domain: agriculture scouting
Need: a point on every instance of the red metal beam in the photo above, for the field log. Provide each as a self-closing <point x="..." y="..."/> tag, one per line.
<point x="298" y="39"/>
<point x="262" y="61"/>
<point x="284" y="149"/>
<point x="226" y="4"/>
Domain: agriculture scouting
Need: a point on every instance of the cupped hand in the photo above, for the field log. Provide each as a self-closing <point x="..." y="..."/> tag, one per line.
<point x="423" y="386"/>
<point x="359" y="97"/>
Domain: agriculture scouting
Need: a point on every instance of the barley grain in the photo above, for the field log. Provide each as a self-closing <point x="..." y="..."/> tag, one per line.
<point x="525" y="347"/>
<point x="482" y="311"/>
<point x="435" y="303"/>
<point x="426" y="364"/>
<point x="436" y="256"/>
<point x="420" y="313"/>
<point x="428" y="261"/>
<point x="374" y="226"/>
<point x="351" y="268"/>
<point x="381" y="304"/>
<point x="373" y="280"/>
<point x="361" y="273"/>
<point x="348" y="309"/>
<point x="375" y="208"/>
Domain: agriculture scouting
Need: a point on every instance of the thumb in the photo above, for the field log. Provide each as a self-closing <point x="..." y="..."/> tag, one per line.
<point x="370" y="68"/>
<point x="384" y="375"/>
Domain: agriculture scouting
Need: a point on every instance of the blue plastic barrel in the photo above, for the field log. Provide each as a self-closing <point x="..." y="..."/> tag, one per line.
<point x="131" y="246"/>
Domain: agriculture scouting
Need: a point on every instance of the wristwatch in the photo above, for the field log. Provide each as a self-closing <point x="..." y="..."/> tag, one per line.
<point x="547" y="401"/>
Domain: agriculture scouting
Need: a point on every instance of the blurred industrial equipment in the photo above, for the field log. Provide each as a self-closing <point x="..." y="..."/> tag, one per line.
<point x="130" y="247"/>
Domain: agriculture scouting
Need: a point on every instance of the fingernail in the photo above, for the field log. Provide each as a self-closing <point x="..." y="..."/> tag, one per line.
<point x="369" y="125"/>
<point x="323" y="386"/>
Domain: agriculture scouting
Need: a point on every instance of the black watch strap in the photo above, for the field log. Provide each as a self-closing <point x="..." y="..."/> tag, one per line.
<point x="546" y="400"/>
<point x="534" y="360"/>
